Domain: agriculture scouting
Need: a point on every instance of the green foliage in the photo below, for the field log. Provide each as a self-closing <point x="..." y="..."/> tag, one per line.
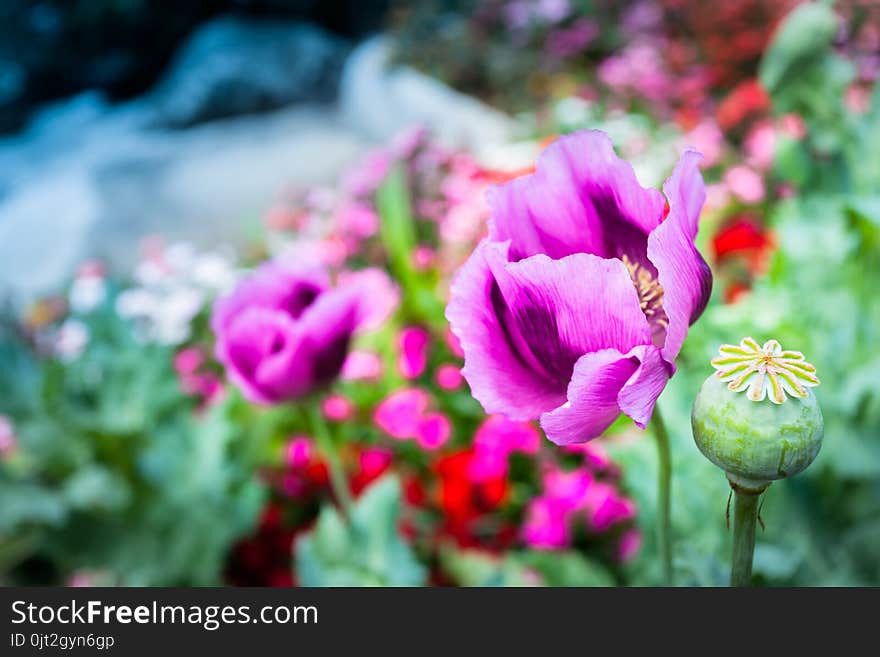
<point x="806" y="77"/>
<point x="524" y="568"/>
<point x="819" y="297"/>
<point x="367" y="551"/>
<point x="114" y="471"/>
<point x="802" y="41"/>
<point x="398" y="232"/>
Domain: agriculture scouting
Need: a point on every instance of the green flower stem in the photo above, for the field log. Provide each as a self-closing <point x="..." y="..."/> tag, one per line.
<point x="327" y="447"/>
<point x="664" y="479"/>
<point x="745" y="514"/>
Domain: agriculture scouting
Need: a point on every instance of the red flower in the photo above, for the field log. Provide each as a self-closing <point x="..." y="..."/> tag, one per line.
<point x="742" y="236"/>
<point x="463" y="500"/>
<point x="748" y="99"/>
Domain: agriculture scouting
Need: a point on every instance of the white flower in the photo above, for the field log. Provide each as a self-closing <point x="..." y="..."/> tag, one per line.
<point x="136" y="302"/>
<point x="71" y="339"/>
<point x="213" y="271"/>
<point x="172" y="319"/>
<point x="86" y="294"/>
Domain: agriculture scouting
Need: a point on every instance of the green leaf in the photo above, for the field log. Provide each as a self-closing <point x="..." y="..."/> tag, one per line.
<point x="398" y="232"/>
<point x="804" y="36"/>
<point x="566" y="568"/>
<point x="367" y="551"/>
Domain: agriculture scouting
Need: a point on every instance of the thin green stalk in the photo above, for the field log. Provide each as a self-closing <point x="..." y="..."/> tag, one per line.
<point x="327" y="447"/>
<point x="745" y="513"/>
<point x="664" y="479"/>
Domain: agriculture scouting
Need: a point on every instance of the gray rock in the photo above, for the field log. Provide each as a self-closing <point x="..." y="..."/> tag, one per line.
<point x="380" y="100"/>
<point x="88" y="180"/>
<point x="234" y="66"/>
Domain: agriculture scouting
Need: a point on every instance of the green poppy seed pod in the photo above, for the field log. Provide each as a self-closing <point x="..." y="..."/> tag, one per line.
<point x="756" y="417"/>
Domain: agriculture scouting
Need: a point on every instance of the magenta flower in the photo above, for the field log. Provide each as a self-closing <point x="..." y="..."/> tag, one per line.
<point x="606" y="507"/>
<point x="284" y="332"/>
<point x="546" y="526"/>
<point x="337" y="408"/>
<point x="448" y="377"/>
<point x="576" y="305"/>
<point x="298" y="452"/>
<point x="413" y="343"/>
<point x="628" y="545"/>
<point x="434" y="431"/>
<point x="401" y="412"/>
<point x="362" y="365"/>
<point x="495" y="440"/>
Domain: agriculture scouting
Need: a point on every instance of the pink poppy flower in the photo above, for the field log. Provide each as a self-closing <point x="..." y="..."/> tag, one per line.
<point x="576" y="305"/>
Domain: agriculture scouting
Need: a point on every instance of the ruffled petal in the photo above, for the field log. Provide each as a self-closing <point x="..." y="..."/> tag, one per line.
<point x="604" y="384"/>
<point x="640" y="392"/>
<point x="684" y="275"/>
<point x="327" y="326"/>
<point x="592" y="404"/>
<point x="573" y="306"/>
<point x="581" y="199"/>
<point x="261" y="350"/>
<point x="275" y="285"/>
<point x="497" y="376"/>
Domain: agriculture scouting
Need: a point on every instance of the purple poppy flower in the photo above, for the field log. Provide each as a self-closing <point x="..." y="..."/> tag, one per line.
<point x="576" y="305"/>
<point x="284" y="332"/>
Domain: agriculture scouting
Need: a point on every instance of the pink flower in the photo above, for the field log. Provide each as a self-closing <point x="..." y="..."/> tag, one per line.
<point x="570" y="489"/>
<point x="187" y="361"/>
<point x="434" y="431"/>
<point x="448" y="377"/>
<point x="358" y="219"/>
<point x="707" y="138"/>
<point x="284" y="332"/>
<point x="793" y="126"/>
<point x="298" y="452"/>
<point x="81" y="579"/>
<point x="546" y="525"/>
<point x="337" y="408"/>
<point x="366" y="178"/>
<point x="383" y="294"/>
<point x="374" y="460"/>
<point x="361" y="365"/>
<point x="495" y="440"/>
<point x="8" y="441"/>
<point x="745" y="184"/>
<point x="413" y="344"/>
<point x="499" y="431"/>
<point x="423" y="257"/>
<point x="606" y="507"/>
<point x="717" y="196"/>
<point x="566" y="42"/>
<point x="400" y="413"/>
<point x="487" y="465"/>
<point x="857" y="98"/>
<point x="629" y="545"/>
<point x="760" y="145"/>
<point x="596" y="457"/>
<point x="576" y="306"/>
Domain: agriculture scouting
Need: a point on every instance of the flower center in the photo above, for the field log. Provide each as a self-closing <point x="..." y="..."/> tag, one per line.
<point x="650" y="296"/>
